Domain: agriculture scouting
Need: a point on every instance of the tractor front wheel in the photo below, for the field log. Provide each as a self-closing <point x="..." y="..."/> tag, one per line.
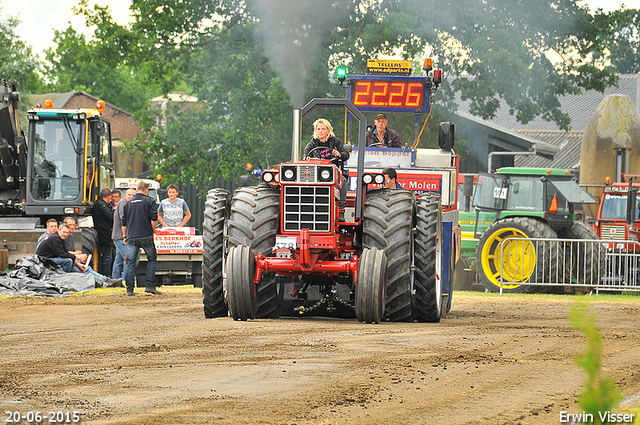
<point x="516" y="261"/>
<point x="243" y="293"/>
<point x="370" y="284"/>
<point x="389" y="217"/>
<point x="253" y="221"/>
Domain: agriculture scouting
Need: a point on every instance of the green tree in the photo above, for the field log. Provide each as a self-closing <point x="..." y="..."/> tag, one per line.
<point x="78" y="64"/>
<point x="18" y="64"/>
<point x="243" y="115"/>
<point x="619" y="36"/>
<point x="237" y="56"/>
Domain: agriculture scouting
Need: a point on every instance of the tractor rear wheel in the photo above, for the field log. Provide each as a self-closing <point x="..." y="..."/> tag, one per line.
<point x="370" y="283"/>
<point x="389" y="217"/>
<point x="516" y="261"/>
<point x="253" y="221"/>
<point x="427" y="303"/>
<point x="589" y="260"/>
<point x="463" y="278"/>
<point x="216" y="212"/>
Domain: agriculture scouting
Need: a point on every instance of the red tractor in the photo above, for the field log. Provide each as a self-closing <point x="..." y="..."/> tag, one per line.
<point x="388" y="254"/>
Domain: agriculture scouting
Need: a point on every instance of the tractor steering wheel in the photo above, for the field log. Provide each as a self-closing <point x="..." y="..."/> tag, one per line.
<point x="332" y="159"/>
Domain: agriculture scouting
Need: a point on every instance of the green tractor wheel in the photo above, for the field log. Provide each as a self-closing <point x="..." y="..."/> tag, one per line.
<point x="518" y="262"/>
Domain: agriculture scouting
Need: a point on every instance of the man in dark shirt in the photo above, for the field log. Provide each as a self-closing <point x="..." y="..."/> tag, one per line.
<point x="70" y="243"/>
<point x="381" y="136"/>
<point x="139" y="220"/>
<point x="102" y="213"/>
<point x="53" y="248"/>
<point x="52" y="227"/>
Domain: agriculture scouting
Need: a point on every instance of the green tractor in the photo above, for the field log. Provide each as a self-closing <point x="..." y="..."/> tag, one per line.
<point x="531" y="203"/>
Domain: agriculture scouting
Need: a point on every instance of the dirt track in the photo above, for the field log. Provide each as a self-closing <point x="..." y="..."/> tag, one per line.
<point x="156" y="360"/>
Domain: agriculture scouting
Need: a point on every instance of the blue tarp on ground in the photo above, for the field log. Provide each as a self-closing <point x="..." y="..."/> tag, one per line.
<point x="33" y="277"/>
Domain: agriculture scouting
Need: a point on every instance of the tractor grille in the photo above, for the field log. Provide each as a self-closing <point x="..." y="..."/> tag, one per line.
<point x="612" y="232"/>
<point x="307" y="207"/>
<point x="307" y="173"/>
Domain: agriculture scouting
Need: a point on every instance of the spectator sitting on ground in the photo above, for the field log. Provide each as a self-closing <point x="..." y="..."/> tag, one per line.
<point x="53" y="248"/>
<point x="69" y="242"/>
<point x="52" y="227"/>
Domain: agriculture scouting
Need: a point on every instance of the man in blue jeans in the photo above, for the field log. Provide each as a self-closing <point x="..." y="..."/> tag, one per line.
<point x="116" y="235"/>
<point x="139" y="220"/>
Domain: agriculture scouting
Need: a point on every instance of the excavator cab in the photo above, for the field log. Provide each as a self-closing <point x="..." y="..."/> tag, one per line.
<point x="69" y="162"/>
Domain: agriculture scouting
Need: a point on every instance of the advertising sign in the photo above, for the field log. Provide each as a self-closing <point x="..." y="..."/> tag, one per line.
<point x="383" y="157"/>
<point x="178" y="240"/>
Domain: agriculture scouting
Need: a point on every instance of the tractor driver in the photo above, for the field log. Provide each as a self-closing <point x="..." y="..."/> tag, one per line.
<point x="381" y="136"/>
<point x="326" y="145"/>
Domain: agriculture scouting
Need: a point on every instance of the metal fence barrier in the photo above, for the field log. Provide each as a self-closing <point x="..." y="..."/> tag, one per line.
<point x="597" y="264"/>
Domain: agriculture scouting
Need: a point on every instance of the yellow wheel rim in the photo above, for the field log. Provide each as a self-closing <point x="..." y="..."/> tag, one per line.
<point x="516" y="260"/>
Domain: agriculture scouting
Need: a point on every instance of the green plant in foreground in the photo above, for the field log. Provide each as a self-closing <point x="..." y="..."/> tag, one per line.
<point x="601" y="393"/>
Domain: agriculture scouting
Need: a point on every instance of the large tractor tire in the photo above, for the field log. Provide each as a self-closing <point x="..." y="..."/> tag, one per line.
<point x="216" y="212"/>
<point x="370" y="285"/>
<point x="521" y="262"/>
<point x="243" y="297"/>
<point x="90" y="245"/>
<point x="89" y="241"/>
<point x="253" y="221"/>
<point x="389" y="217"/>
<point x="427" y="300"/>
<point x="462" y="277"/>
<point x="588" y="260"/>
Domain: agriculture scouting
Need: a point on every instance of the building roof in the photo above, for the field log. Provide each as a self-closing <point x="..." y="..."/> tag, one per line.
<point x="579" y="107"/>
<point x="511" y="140"/>
<point x="567" y="143"/>
<point x="60" y="100"/>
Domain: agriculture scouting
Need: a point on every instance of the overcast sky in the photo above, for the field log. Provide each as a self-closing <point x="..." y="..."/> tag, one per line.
<point x="40" y="17"/>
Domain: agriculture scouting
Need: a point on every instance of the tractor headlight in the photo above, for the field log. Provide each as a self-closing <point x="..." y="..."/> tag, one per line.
<point x="267" y="177"/>
<point x="325" y="174"/>
<point x="367" y="179"/>
<point x="379" y="178"/>
<point x="288" y="173"/>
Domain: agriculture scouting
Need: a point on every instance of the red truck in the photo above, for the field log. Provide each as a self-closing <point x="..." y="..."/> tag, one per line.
<point x="618" y="222"/>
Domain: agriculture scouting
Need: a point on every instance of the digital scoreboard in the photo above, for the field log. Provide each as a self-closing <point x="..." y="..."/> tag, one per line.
<point x="380" y="93"/>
